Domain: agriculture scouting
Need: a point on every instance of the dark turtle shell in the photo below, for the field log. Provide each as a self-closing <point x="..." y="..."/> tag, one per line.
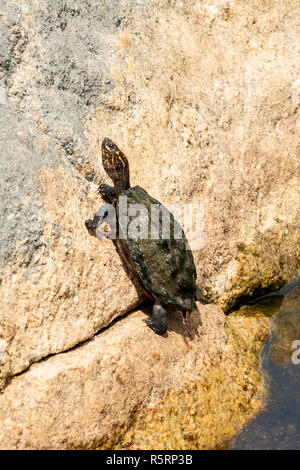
<point x="165" y="265"/>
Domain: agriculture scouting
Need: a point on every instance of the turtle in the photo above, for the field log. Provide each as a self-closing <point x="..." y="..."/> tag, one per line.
<point x="162" y="265"/>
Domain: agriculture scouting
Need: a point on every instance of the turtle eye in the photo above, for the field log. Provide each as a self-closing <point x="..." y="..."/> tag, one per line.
<point x="109" y="146"/>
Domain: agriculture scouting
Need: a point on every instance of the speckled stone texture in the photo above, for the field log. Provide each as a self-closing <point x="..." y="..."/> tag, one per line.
<point x="91" y="396"/>
<point x="203" y="98"/>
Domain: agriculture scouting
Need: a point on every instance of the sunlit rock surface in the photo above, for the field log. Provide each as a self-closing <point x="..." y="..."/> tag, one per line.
<point x="130" y="388"/>
<point x="202" y="97"/>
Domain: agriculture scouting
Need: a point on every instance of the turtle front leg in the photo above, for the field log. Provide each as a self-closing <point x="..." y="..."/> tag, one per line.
<point x="92" y="224"/>
<point x="107" y="193"/>
<point x="158" y="321"/>
<point x="106" y="213"/>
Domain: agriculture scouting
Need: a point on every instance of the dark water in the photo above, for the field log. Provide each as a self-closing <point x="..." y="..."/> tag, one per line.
<point x="278" y="426"/>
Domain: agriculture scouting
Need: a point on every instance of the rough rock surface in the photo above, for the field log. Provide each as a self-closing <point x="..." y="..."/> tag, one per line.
<point x="204" y="100"/>
<point x="58" y="286"/>
<point x="206" y="413"/>
<point x="90" y="396"/>
<point x="51" y="268"/>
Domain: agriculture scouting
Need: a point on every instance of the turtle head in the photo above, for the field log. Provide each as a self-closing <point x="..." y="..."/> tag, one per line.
<point x="115" y="164"/>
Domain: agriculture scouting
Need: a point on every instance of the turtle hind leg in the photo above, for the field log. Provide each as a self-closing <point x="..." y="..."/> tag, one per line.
<point x="158" y="320"/>
<point x="107" y="192"/>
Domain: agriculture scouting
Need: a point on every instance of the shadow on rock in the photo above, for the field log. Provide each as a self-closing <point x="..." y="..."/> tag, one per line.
<point x="187" y="327"/>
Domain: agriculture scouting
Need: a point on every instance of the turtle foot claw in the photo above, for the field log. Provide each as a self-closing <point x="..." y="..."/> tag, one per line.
<point x="90" y="225"/>
<point x="159" y="327"/>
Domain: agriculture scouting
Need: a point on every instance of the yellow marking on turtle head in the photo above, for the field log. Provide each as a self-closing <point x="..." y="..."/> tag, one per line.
<point x="115" y="164"/>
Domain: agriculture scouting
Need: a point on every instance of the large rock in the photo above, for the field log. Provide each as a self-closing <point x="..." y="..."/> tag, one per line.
<point x="204" y="115"/>
<point x="90" y="396"/>
<point x="58" y="285"/>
